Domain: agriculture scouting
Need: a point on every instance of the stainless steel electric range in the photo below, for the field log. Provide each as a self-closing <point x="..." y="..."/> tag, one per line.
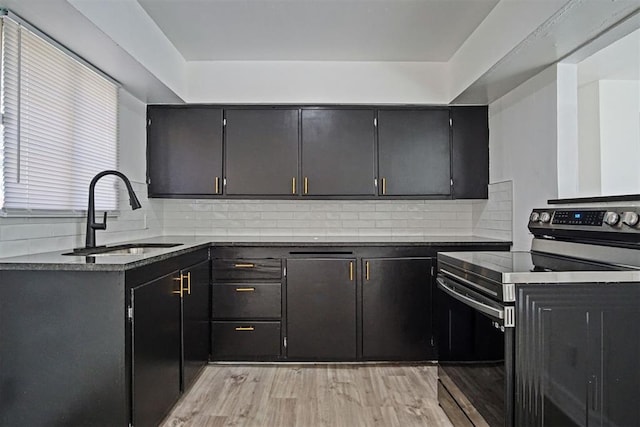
<point x="545" y="337"/>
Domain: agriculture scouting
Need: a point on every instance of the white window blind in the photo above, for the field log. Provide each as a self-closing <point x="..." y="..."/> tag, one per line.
<point x="59" y="127"/>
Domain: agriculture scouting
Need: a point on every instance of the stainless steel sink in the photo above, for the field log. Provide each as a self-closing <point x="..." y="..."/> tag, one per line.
<point x="120" y="250"/>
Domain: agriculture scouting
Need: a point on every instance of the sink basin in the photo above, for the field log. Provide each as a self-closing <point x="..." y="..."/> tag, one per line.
<point x="120" y="250"/>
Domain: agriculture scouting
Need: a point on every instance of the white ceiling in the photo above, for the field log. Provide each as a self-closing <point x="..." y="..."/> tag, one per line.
<point x="327" y="30"/>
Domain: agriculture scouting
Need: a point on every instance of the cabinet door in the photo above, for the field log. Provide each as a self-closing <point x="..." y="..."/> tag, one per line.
<point x="470" y="152"/>
<point x="195" y="321"/>
<point x="321" y="309"/>
<point x="261" y="152"/>
<point x="577" y="352"/>
<point x="156" y="349"/>
<point x="338" y="154"/>
<point x="396" y="309"/>
<point x="184" y="150"/>
<point x="414" y="152"/>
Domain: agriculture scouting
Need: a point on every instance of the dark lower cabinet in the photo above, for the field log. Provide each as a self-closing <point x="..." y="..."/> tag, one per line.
<point x="245" y="340"/>
<point x="577" y="353"/>
<point x="396" y="315"/>
<point x="195" y="321"/>
<point x="155" y="351"/>
<point x="321" y="309"/>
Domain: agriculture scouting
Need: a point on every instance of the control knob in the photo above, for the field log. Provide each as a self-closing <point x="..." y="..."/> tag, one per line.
<point x="611" y="218"/>
<point x="535" y="217"/>
<point x="630" y="218"/>
<point x="545" y="217"/>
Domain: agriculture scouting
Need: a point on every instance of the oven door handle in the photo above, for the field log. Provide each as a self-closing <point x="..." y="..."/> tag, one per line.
<point x="477" y="305"/>
<point x="466" y="282"/>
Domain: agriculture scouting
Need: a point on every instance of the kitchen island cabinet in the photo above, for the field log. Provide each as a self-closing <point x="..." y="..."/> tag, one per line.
<point x="92" y="347"/>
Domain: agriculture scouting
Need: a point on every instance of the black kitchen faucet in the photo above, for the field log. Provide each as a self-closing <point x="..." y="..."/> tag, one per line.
<point x="92" y="225"/>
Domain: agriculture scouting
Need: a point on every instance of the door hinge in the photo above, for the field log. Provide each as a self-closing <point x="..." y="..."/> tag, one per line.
<point x="224" y="182"/>
<point x="509" y="317"/>
<point x="451" y="182"/>
<point x="130" y="313"/>
<point x="375" y="122"/>
<point x="284" y="272"/>
<point x="285" y="342"/>
<point x="224" y="122"/>
<point x="148" y="122"/>
<point x="148" y="180"/>
<point x="432" y="270"/>
<point x="432" y="342"/>
<point x="450" y="122"/>
<point x="375" y="182"/>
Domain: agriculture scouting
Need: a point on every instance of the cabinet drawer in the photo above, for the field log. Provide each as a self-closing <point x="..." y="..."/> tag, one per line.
<point x="245" y="340"/>
<point x="246" y="269"/>
<point x="246" y="300"/>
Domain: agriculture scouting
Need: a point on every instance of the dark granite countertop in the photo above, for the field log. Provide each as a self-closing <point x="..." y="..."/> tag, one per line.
<point x="57" y="261"/>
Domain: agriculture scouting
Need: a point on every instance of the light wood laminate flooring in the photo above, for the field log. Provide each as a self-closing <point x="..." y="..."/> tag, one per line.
<point x="311" y="395"/>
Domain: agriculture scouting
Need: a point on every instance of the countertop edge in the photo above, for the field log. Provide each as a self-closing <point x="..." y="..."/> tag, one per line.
<point x="39" y="262"/>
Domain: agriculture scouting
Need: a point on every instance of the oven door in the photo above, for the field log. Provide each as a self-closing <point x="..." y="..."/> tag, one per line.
<point x="475" y="353"/>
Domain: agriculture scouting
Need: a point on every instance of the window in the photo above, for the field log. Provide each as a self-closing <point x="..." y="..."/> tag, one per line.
<point x="59" y="127"/>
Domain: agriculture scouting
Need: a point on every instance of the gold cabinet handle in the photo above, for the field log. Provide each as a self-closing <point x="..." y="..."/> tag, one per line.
<point x="351" y="271"/>
<point x="306" y="185"/>
<point x="293" y="185"/>
<point x="217" y="185"/>
<point x="245" y="289"/>
<point x="384" y="186"/>
<point x="188" y="276"/>
<point x="244" y="328"/>
<point x="366" y="268"/>
<point x="244" y="265"/>
<point x="181" y="289"/>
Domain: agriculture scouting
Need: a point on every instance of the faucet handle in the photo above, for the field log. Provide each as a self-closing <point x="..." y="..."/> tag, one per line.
<point x="100" y="226"/>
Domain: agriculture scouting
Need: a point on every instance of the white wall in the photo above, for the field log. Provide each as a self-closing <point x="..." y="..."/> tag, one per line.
<point x="19" y="236"/>
<point x="523" y="147"/>
<point x="275" y="82"/>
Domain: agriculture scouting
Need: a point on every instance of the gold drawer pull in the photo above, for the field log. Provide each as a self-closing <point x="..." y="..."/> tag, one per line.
<point x="384" y="186"/>
<point x="367" y="270"/>
<point x="245" y="289"/>
<point x="244" y="328"/>
<point x="306" y="185"/>
<point x="351" y="271"/>
<point x="293" y="185"/>
<point x="217" y="185"/>
<point x="247" y="265"/>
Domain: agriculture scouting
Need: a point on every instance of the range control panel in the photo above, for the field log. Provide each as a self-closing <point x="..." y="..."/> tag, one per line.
<point x="617" y="220"/>
<point x="578" y="217"/>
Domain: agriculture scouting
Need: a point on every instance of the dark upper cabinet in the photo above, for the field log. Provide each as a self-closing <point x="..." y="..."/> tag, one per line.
<point x="414" y="152"/>
<point x="184" y="150"/>
<point x="321" y="309"/>
<point x="338" y="152"/>
<point x="396" y="309"/>
<point x="470" y="152"/>
<point x="261" y="152"/>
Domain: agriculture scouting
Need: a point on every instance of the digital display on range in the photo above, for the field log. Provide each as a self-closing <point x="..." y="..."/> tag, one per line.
<point x="581" y="217"/>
